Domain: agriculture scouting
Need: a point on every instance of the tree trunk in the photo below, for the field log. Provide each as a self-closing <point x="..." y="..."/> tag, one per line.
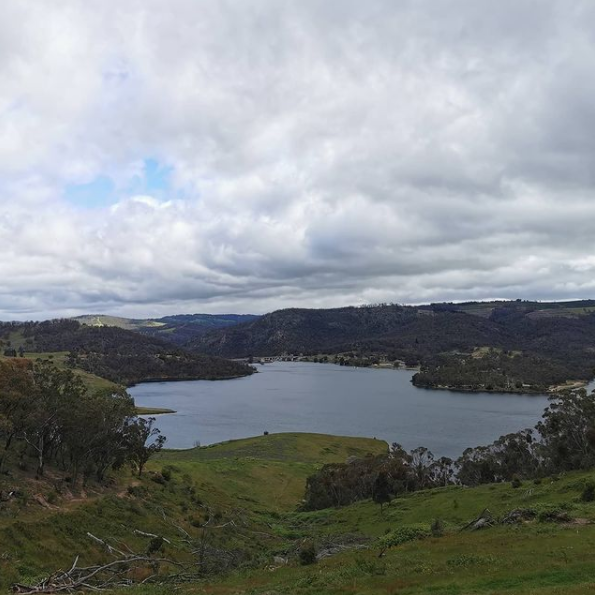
<point x="40" y="457"/>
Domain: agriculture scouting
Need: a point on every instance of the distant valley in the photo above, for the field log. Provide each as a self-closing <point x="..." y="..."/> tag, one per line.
<point x="504" y="346"/>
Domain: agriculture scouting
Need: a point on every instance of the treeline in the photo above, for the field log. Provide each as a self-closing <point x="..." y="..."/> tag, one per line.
<point x="339" y="484"/>
<point x="495" y="370"/>
<point x="564" y="440"/>
<point x="123" y="356"/>
<point x="49" y="417"/>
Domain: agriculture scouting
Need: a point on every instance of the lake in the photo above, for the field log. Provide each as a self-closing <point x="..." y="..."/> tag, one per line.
<point x="330" y="399"/>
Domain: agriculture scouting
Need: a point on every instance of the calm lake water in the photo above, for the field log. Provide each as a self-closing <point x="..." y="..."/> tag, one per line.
<point x="302" y="397"/>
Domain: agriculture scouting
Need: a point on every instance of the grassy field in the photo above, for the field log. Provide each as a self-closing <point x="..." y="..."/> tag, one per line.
<point x="252" y="490"/>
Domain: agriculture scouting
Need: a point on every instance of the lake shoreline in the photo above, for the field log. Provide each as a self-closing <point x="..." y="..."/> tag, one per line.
<point x="191" y="379"/>
<point x="336" y="400"/>
<point x="548" y="392"/>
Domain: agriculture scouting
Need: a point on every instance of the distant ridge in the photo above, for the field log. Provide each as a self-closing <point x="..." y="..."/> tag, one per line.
<point x="116" y="354"/>
<point x="555" y="339"/>
<point x="178" y="329"/>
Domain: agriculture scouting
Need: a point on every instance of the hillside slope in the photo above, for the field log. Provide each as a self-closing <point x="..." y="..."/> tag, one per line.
<point x="117" y="354"/>
<point x="248" y="492"/>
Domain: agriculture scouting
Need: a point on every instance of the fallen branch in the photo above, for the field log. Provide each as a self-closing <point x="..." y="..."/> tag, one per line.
<point x="94" y="578"/>
<point x="144" y="534"/>
<point x="485" y="519"/>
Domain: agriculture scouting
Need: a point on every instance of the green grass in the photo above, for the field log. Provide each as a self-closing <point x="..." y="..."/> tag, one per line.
<point x="252" y="482"/>
<point x="536" y="557"/>
<point x="258" y="483"/>
<point x="153" y="410"/>
<point x="288" y="447"/>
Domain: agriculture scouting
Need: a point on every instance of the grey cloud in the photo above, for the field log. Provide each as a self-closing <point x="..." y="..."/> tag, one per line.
<point x="322" y="153"/>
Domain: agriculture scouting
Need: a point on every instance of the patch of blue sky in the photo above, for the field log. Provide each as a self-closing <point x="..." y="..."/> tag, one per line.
<point x="102" y="192"/>
<point x="156" y="177"/>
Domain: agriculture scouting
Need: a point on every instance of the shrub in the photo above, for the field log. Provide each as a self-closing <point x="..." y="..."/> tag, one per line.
<point x="364" y="566"/>
<point x="588" y="493"/>
<point x="166" y="472"/>
<point x="516" y="482"/>
<point x="52" y="497"/>
<point x="466" y="560"/>
<point x="138" y="491"/>
<point x="437" y="528"/>
<point x="552" y="514"/>
<point x="307" y="553"/>
<point x="155" y="545"/>
<point x="403" y="535"/>
<point x="158" y="478"/>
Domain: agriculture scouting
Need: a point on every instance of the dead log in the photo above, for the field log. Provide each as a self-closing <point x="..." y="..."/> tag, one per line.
<point x="484" y="520"/>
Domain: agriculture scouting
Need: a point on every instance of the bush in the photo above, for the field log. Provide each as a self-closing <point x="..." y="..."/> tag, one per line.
<point x="552" y="514"/>
<point x="155" y="545"/>
<point x="166" y="472"/>
<point x="52" y="497"/>
<point x="403" y="535"/>
<point x="138" y="491"/>
<point x="307" y="553"/>
<point x="437" y="528"/>
<point x="158" y="478"/>
<point x="588" y="494"/>
<point x="516" y="482"/>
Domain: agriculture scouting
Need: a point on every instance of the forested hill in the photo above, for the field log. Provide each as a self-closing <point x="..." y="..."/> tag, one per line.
<point x="178" y="329"/>
<point x="562" y="333"/>
<point x="114" y="353"/>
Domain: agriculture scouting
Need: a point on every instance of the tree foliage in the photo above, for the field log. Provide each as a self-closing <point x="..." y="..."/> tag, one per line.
<point x="563" y="440"/>
<point x="556" y="343"/>
<point x="122" y="356"/>
<point x="48" y="415"/>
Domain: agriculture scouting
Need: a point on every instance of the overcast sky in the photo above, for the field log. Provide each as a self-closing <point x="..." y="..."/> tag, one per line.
<point x="173" y="156"/>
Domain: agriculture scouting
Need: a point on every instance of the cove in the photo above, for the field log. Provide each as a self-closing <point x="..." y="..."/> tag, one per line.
<point x="330" y="399"/>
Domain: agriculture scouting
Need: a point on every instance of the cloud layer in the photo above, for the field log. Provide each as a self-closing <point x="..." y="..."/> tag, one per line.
<point x="315" y="153"/>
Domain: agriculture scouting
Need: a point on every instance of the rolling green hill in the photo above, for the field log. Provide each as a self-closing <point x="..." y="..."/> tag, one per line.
<point x="237" y="503"/>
